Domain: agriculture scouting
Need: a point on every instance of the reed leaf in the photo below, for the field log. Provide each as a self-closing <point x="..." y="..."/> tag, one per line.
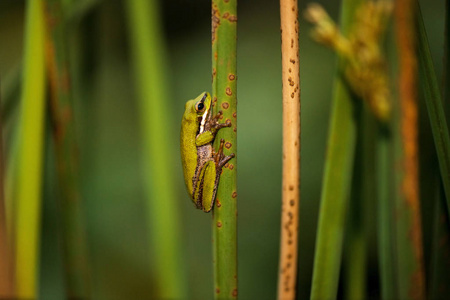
<point x="32" y="114"/>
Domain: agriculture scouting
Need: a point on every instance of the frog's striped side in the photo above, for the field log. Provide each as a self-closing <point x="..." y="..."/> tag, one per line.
<point x="193" y="122"/>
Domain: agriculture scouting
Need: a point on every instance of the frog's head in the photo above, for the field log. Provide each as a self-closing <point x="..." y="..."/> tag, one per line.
<point x="202" y="107"/>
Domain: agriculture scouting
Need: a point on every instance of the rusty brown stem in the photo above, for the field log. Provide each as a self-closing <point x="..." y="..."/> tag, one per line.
<point x="70" y="205"/>
<point x="411" y="282"/>
<point x="287" y="269"/>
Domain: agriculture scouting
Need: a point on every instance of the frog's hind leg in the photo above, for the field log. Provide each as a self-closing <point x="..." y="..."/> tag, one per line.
<point x="212" y="173"/>
<point x="211" y="176"/>
<point x="197" y="183"/>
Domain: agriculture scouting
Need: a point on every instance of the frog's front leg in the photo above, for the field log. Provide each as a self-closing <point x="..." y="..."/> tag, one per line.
<point x="211" y="129"/>
<point x="214" y="122"/>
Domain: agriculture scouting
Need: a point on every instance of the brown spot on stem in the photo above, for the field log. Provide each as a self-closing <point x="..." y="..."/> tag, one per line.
<point x="219" y="224"/>
<point x="291" y="187"/>
<point x="292" y="202"/>
<point x="231" y="167"/>
<point x="228" y="145"/>
<point x="234" y="114"/>
<point x="215" y="17"/>
<point x="225" y="105"/>
<point x="225" y="15"/>
<point x="232" y="18"/>
<point x="235" y="129"/>
<point x="218" y="204"/>
<point x="292" y="95"/>
<point x="234" y="293"/>
<point x="290" y="70"/>
<point x="291" y="81"/>
<point x="234" y="195"/>
<point x="292" y="61"/>
<point x="217" y="291"/>
<point x="292" y="43"/>
<point x="228" y="91"/>
<point x="231" y="77"/>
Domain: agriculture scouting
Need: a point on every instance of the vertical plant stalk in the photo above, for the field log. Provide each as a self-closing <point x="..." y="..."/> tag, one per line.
<point x="363" y="195"/>
<point x="436" y="111"/>
<point x="70" y="205"/>
<point x="385" y="216"/>
<point x="287" y="269"/>
<point x="224" y="25"/>
<point x="147" y="46"/>
<point x="386" y="175"/>
<point x="10" y="93"/>
<point x="29" y="188"/>
<point x="440" y="262"/>
<point x="336" y="180"/>
<point x="447" y="59"/>
<point x="409" y="256"/>
<point x="6" y="271"/>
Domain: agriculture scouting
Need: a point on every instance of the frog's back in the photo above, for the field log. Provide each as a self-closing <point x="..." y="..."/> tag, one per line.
<point x="188" y="148"/>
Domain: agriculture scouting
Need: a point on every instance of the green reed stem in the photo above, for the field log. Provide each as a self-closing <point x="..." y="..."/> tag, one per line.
<point x="30" y="175"/>
<point x="70" y="200"/>
<point x="336" y="181"/>
<point x="440" y="262"/>
<point x="224" y="24"/>
<point x="435" y="107"/>
<point x="6" y="271"/>
<point x="363" y="195"/>
<point x="148" y="56"/>
<point x="385" y="216"/>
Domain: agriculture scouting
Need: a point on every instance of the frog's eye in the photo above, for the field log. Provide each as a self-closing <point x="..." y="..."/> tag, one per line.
<point x="200" y="106"/>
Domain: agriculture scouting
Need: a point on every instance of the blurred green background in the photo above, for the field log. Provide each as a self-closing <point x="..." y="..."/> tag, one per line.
<point x="110" y="144"/>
